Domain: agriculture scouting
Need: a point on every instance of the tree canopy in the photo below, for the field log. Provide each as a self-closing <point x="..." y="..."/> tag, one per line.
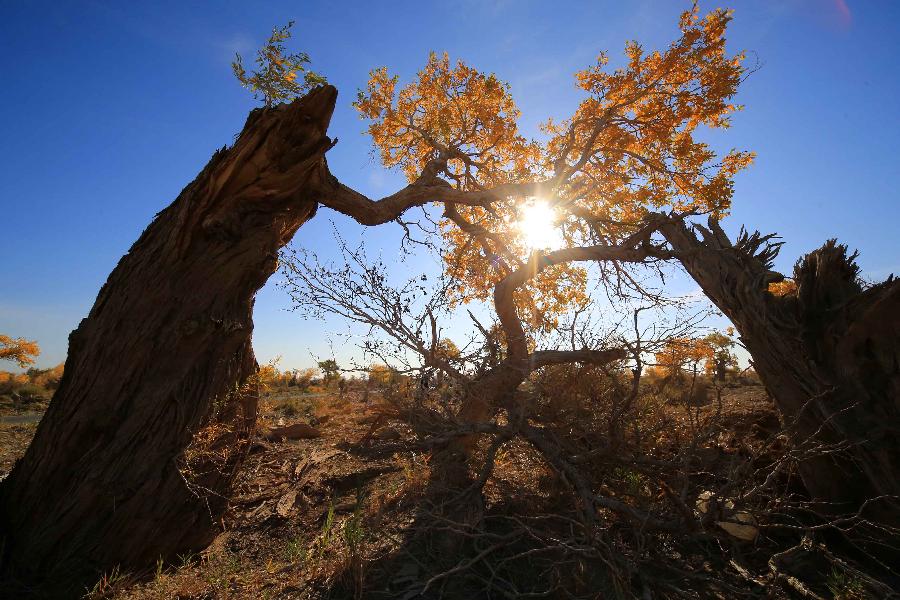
<point x="630" y="147"/>
<point x="19" y="350"/>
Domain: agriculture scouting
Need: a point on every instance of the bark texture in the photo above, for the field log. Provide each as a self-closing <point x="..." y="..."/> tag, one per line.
<point x="829" y="356"/>
<point x="135" y="457"/>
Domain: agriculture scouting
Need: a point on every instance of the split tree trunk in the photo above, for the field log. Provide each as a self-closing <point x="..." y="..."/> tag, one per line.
<point x="136" y="455"/>
<point x="829" y="356"/>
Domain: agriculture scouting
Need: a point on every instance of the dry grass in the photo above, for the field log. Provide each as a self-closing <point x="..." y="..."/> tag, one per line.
<point x="335" y="518"/>
<point x="331" y="518"/>
<point x="308" y="516"/>
<point x="14" y="439"/>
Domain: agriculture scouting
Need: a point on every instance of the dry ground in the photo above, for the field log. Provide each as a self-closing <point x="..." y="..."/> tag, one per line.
<point x="14" y="438"/>
<point x="322" y="517"/>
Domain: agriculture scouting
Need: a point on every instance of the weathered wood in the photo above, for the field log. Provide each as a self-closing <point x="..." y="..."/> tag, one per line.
<point x="135" y="457"/>
<point x="828" y="355"/>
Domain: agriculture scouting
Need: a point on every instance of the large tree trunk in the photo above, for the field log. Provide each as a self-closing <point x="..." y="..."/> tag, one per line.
<point x="137" y="452"/>
<point x="828" y="354"/>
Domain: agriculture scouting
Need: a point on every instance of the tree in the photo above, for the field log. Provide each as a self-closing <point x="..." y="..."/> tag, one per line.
<point x="135" y="456"/>
<point x="712" y="352"/>
<point x="111" y="455"/>
<point x="49" y="378"/>
<point x="723" y="359"/>
<point x="827" y="353"/>
<point x="18" y="350"/>
<point x="281" y="77"/>
<point x="304" y="377"/>
<point x="380" y="374"/>
<point x="330" y="369"/>
<point x="628" y="149"/>
<point x="682" y="354"/>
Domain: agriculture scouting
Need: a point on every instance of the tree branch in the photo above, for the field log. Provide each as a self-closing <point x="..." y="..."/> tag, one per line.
<point x="543" y="358"/>
<point x="428" y="188"/>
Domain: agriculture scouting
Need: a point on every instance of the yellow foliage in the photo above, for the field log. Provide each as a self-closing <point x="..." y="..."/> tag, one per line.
<point x="268" y="375"/>
<point x="446" y="350"/>
<point x="50" y="378"/>
<point x="451" y="108"/>
<point x="14" y="378"/>
<point x="304" y="377"/>
<point x="19" y="350"/>
<point x="712" y="352"/>
<point x="785" y="287"/>
<point x="381" y="375"/>
<point x="639" y="124"/>
<point x="682" y="353"/>
<point x="629" y="147"/>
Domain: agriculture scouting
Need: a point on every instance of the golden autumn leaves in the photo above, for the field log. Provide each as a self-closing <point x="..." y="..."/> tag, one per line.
<point x="638" y="126"/>
<point x="681" y="355"/>
<point x="465" y="114"/>
<point x="630" y="147"/>
<point x="19" y="350"/>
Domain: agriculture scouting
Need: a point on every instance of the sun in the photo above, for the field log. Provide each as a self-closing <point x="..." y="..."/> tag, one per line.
<point x="538" y="226"/>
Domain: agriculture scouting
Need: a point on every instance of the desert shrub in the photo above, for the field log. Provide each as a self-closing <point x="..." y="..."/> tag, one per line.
<point x="19" y="387"/>
<point x="748" y="376"/>
<point x="391" y="385"/>
<point x="687" y="390"/>
<point x="31" y="391"/>
<point x="304" y="378"/>
<point x="47" y="379"/>
<point x="567" y="394"/>
<point x="11" y="381"/>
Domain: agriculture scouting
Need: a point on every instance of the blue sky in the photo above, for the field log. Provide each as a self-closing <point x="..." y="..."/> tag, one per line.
<point x="111" y="108"/>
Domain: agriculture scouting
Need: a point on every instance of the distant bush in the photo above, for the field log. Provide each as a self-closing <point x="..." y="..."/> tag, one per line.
<point x="304" y="378"/>
<point x="30" y="392"/>
<point x="10" y="382"/>
<point x="35" y="385"/>
<point x="46" y="378"/>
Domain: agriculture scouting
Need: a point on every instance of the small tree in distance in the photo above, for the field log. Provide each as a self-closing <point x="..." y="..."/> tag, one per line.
<point x="681" y="355"/>
<point x="330" y="370"/>
<point x="723" y="359"/>
<point x="281" y="77"/>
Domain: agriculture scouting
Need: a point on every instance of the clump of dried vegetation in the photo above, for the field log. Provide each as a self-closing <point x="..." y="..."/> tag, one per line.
<point x="619" y="483"/>
<point x="660" y="495"/>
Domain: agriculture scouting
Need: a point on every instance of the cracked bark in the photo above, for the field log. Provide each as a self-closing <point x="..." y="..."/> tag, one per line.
<point x="135" y="457"/>
<point x="829" y="357"/>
